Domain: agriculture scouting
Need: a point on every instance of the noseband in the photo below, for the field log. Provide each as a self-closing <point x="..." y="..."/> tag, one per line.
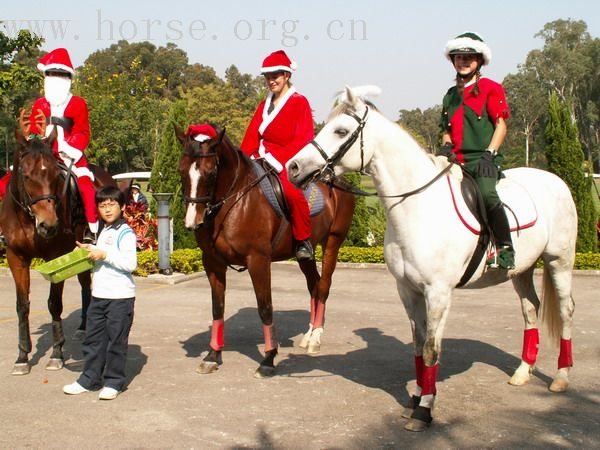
<point x="330" y="162"/>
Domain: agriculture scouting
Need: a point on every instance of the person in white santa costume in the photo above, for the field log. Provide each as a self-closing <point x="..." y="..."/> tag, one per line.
<point x="67" y="113"/>
<point x="281" y="126"/>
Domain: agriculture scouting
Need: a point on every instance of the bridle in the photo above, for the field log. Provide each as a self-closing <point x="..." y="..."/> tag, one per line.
<point x="327" y="171"/>
<point x="24" y="200"/>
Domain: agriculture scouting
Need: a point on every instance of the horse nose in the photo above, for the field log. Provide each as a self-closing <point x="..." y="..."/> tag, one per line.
<point x="47" y="231"/>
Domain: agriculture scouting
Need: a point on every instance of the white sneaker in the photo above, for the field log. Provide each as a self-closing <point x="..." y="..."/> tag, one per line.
<point x="108" y="393"/>
<point x="74" y="389"/>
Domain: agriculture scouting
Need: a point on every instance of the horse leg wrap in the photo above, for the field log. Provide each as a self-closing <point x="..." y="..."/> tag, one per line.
<point x="419" y="368"/>
<point x="565" y="357"/>
<point x="429" y="378"/>
<point x="270" y="339"/>
<point x="217" y="341"/>
<point x="531" y="341"/>
<point x="313" y="310"/>
<point x="319" y="319"/>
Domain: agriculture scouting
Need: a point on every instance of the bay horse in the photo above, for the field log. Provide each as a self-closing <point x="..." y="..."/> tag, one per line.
<point x="234" y="224"/>
<point x="428" y="245"/>
<point x="37" y="223"/>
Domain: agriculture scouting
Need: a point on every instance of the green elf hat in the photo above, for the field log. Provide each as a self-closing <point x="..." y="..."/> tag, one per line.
<point x="468" y="43"/>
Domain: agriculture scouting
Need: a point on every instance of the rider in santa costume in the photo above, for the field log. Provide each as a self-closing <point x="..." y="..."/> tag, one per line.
<point x="281" y="126"/>
<point x="67" y="113"/>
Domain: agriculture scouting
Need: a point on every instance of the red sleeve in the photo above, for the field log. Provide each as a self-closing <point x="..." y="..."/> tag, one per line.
<point x="304" y="131"/>
<point x="80" y="133"/>
<point x="251" y="140"/>
<point x="497" y="106"/>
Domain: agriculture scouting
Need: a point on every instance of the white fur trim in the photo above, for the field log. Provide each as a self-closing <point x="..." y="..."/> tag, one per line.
<point x="83" y="172"/>
<point x="271" y="160"/>
<point x="73" y="153"/>
<point x="44" y="67"/>
<point x="278" y="68"/>
<point x="201" y="138"/>
<point x="467" y="42"/>
<point x="267" y="117"/>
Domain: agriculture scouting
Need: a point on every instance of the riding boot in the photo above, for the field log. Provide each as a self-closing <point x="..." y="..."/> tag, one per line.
<point x="304" y="251"/>
<point x="505" y="253"/>
<point x="89" y="237"/>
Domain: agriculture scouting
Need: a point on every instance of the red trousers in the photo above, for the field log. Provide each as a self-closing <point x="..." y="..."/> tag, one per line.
<point x="299" y="209"/>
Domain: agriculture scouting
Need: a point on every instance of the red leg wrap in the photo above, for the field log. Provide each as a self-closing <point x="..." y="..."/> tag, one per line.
<point x="319" y="315"/>
<point x="565" y="358"/>
<point x="419" y="366"/>
<point x="429" y="377"/>
<point x="313" y="310"/>
<point x="217" y="341"/>
<point x="531" y="340"/>
<point x="270" y="342"/>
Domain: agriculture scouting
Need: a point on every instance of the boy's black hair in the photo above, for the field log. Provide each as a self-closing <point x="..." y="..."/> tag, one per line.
<point x="110" y="193"/>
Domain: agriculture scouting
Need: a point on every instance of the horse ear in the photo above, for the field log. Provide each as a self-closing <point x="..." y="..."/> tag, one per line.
<point x="180" y="134"/>
<point x="350" y="98"/>
<point x="220" y="136"/>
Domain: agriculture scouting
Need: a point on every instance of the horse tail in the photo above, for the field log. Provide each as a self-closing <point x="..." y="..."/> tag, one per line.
<point x="550" y="316"/>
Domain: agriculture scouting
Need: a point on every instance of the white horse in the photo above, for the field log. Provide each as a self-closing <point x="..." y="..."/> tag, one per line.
<point x="429" y="243"/>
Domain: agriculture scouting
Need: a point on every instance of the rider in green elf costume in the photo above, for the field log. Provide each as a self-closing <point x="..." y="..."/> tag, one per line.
<point x="473" y="126"/>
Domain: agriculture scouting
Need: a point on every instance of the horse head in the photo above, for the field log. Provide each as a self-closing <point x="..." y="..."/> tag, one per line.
<point x="339" y="147"/>
<point x="36" y="179"/>
<point x="199" y="168"/>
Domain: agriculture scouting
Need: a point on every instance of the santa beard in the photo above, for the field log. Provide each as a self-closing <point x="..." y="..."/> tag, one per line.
<point x="57" y="90"/>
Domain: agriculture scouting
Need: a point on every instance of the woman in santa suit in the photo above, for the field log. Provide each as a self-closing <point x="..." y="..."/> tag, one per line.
<point x="281" y="126"/>
<point x="69" y="115"/>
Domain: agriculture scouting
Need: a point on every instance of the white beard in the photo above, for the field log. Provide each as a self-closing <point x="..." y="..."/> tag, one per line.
<point x="57" y="90"/>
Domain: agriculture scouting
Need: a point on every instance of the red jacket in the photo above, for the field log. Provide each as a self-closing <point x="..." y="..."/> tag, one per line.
<point x="278" y="136"/>
<point x="74" y="143"/>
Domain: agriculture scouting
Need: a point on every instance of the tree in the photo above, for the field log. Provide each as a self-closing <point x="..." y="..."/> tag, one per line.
<point x="20" y="80"/>
<point x="565" y="159"/>
<point x="423" y="125"/>
<point x="165" y="175"/>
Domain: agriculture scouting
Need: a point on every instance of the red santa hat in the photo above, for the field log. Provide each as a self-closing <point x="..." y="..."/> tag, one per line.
<point x="278" y="61"/>
<point x="201" y="132"/>
<point x="57" y="60"/>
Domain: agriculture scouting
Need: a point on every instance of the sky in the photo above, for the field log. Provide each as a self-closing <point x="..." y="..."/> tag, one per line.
<point x="396" y="45"/>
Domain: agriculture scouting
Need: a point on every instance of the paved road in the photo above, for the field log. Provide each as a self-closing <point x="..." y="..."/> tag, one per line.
<point x="349" y="397"/>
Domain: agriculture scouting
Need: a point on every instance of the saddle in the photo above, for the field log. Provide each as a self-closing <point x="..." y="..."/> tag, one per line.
<point x="520" y="211"/>
<point x="270" y="185"/>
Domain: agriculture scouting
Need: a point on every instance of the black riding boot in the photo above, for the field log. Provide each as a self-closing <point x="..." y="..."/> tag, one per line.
<point x="505" y="253"/>
<point x="304" y="251"/>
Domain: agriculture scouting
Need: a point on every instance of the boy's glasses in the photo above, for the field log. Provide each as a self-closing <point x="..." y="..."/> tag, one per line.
<point x="108" y="205"/>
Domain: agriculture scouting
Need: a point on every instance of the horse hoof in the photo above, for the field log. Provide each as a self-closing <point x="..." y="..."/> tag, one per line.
<point x="21" y="369"/>
<point x="313" y="348"/>
<point x="55" y="364"/>
<point x="407" y="413"/>
<point x="79" y="335"/>
<point x="305" y="340"/>
<point x="559" y="385"/>
<point x="416" y="425"/>
<point x="207" y="367"/>
<point x="518" y="380"/>
<point x="264" y="372"/>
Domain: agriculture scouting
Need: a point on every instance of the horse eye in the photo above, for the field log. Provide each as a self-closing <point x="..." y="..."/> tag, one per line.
<point x="341" y="132"/>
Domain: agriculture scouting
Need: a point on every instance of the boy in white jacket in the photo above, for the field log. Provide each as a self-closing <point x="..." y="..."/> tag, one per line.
<point x="110" y="313"/>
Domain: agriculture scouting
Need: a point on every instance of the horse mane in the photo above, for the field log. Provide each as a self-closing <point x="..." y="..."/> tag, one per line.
<point x="344" y="107"/>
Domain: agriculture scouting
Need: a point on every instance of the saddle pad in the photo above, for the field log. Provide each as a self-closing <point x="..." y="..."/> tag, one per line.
<point x="312" y="193"/>
<point x="520" y="209"/>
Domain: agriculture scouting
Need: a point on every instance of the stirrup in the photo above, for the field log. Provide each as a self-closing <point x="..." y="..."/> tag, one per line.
<point x="504" y="258"/>
<point x="89" y="237"/>
<point x="304" y="251"/>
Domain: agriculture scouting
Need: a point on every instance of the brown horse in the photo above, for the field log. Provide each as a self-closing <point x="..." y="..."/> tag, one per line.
<point x="235" y="225"/>
<point x="36" y="219"/>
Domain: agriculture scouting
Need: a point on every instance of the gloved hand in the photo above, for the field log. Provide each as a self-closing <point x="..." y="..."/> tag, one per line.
<point x="446" y="150"/>
<point x="486" y="167"/>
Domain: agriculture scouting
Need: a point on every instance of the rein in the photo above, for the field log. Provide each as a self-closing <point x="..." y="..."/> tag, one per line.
<point x="330" y="162"/>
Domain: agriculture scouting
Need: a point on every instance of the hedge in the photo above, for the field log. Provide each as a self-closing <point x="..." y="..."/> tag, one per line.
<point x="190" y="260"/>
